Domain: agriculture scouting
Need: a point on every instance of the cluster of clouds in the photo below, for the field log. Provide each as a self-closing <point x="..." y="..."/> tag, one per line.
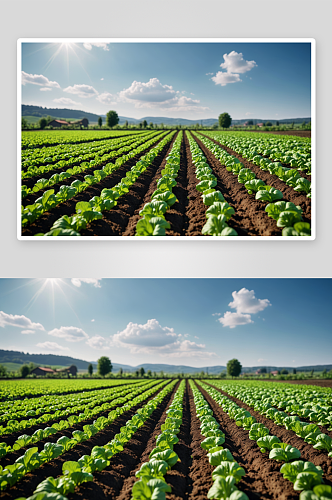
<point x="234" y="65"/>
<point x="246" y="304"/>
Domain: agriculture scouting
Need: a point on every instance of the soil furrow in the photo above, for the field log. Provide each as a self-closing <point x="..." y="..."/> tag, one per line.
<point x="272" y="180"/>
<point x="30" y="481"/>
<point x="117" y="479"/>
<point x="250" y="218"/>
<point x="115" y="221"/>
<point x="263" y="479"/>
<point x="309" y="453"/>
<point x="153" y="176"/>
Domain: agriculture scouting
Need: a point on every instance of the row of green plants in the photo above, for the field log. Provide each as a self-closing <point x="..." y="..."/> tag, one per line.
<point x="85" y="150"/>
<point x="151" y="475"/>
<point x="78" y="164"/>
<point x="106" y="201"/>
<point x="99" y="405"/>
<point x="46" y="139"/>
<point x="227" y="472"/>
<point x="33" y="459"/>
<point x="88" y="211"/>
<point x="304" y="475"/>
<point x="286" y="214"/>
<point x="74" y="473"/>
<point x="219" y="211"/>
<point x="153" y="222"/>
<point x="293" y="151"/>
<point x="65" y="404"/>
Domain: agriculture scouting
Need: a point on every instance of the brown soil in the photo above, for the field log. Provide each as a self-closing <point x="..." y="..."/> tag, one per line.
<point x="30" y="481"/>
<point x="250" y="218"/>
<point x="317" y="457"/>
<point x="272" y="180"/>
<point x="116" y="221"/>
<point x="45" y="222"/>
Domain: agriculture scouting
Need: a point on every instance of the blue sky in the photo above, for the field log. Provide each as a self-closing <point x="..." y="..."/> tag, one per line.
<point x="196" y="322"/>
<point x="187" y="80"/>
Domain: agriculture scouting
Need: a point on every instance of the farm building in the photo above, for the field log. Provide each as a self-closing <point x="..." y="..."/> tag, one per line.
<point x="83" y="123"/>
<point x="72" y="370"/>
<point x="58" y="123"/>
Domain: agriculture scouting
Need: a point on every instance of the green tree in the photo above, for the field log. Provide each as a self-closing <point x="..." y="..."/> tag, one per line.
<point x="324" y="372"/>
<point x="24" y="124"/>
<point x="150" y="125"/>
<point x="292" y="125"/>
<point x="141" y="371"/>
<point x="149" y="374"/>
<point x="90" y="369"/>
<point x="225" y="120"/>
<point x="250" y="122"/>
<point x="277" y="123"/>
<point x="145" y="123"/>
<point x="263" y="370"/>
<point x="3" y="371"/>
<point x="137" y="373"/>
<point x="24" y="371"/>
<point x="120" y="372"/>
<point x="140" y="124"/>
<point x="104" y="365"/>
<point x="112" y="118"/>
<point x="215" y="125"/>
<point x="100" y="121"/>
<point x="234" y="368"/>
<point x="42" y="123"/>
<point x="294" y="371"/>
<point x="154" y="374"/>
<point x="126" y="124"/>
<point x="268" y="124"/>
<point x="284" y="372"/>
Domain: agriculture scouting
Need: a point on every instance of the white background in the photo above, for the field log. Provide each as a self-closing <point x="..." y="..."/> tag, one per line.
<point x="160" y="18"/>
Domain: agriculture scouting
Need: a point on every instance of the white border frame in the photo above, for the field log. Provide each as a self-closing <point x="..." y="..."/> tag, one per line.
<point x="312" y="41"/>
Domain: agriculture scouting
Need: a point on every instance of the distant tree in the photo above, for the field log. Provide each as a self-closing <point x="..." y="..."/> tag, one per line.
<point x="3" y="371"/>
<point x="277" y="123"/>
<point x="49" y="119"/>
<point x="120" y="372"/>
<point x="292" y="125"/>
<point x="90" y="369"/>
<point x="42" y="123"/>
<point x="303" y="125"/>
<point x="312" y="373"/>
<point x="234" y="368"/>
<point x="137" y="373"/>
<point x="222" y="375"/>
<point x="324" y="372"/>
<point x="149" y="374"/>
<point x="215" y="125"/>
<point x="250" y="122"/>
<point x="284" y="372"/>
<point x="24" y="371"/>
<point x="112" y="118"/>
<point x="162" y="374"/>
<point x="145" y="123"/>
<point x="263" y="370"/>
<point x="225" y="120"/>
<point x="294" y="371"/>
<point x="162" y="125"/>
<point x="140" y="124"/>
<point x="268" y="124"/>
<point x="141" y="371"/>
<point x="151" y="125"/>
<point x="154" y="374"/>
<point x="126" y="123"/>
<point x="104" y="365"/>
<point x="100" y="122"/>
<point x="24" y="124"/>
<point x="197" y="125"/>
<point x="155" y="125"/>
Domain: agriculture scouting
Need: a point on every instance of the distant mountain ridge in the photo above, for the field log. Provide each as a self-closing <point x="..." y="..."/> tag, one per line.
<point x="30" y="110"/>
<point x="55" y="359"/>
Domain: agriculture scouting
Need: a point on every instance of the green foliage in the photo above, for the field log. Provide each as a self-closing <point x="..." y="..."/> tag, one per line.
<point x="104" y="365"/>
<point x="224" y="120"/>
<point x="234" y="368"/>
<point x="112" y="118"/>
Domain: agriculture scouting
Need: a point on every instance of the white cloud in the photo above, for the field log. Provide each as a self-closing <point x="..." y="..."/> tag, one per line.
<point x="81" y="90"/>
<point x="52" y="346"/>
<point x="216" y="314"/>
<point x="90" y="281"/>
<point x="246" y="302"/>
<point x="44" y="89"/>
<point x="260" y="360"/>
<point x="19" y="321"/>
<point x="223" y="78"/>
<point x="92" y="320"/>
<point x="66" y="101"/>
<point x="106" y="98"/>
<point x="234" y="65"/>
<point x="208" y="74"/>
<point x="248" y="113"/>
<point x="235" y="319"/>
<point x="102" y="79"/>
<point x="28" y="332"/>
<point x="152" y="338"/>
<point x="89" y="46"/>
<point x="38" y="80"/>
<point x="98" y="342"/>
<point x="69" y="333"/>
<point x="153" y="94"/>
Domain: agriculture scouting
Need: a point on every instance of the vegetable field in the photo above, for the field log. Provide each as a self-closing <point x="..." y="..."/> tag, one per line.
<point x="166" y="439"/>
<point x="165" y="183"/>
